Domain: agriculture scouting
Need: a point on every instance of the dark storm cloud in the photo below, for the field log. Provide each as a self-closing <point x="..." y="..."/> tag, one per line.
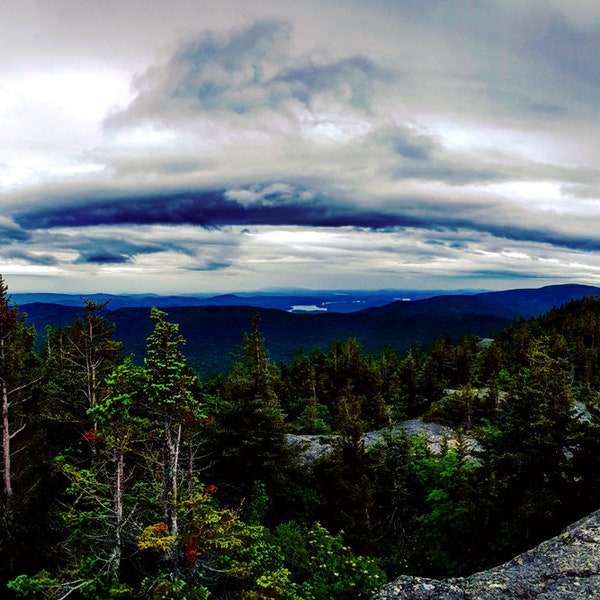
<point x="210" y="265"/>
<point x="210" y="73"/>
<point x="103" y="258"/>
<point x="421" y="156"/>
<point x="211" y="70"/>
<point x="500" y="274"/>
<point x="584" y="241"/>
<point x="114" y="247"/>
<point x="218" y="208"/>
<point x="210" y="209"/>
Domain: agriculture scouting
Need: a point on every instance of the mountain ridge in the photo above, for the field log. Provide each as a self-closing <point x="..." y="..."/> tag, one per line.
<point x="330" y="300"/>
<point x="214" y="333"/>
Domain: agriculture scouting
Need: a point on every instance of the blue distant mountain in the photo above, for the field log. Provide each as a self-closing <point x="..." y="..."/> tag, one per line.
<point x="325" y="300"/>
<point x="214" y="332"/>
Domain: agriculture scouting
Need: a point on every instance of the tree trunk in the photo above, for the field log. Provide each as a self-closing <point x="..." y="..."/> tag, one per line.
<point x="190" y="463"/>
<point x="119" y="466"/>
<point x="6" y="443"/>
<point x="169" y="486"/>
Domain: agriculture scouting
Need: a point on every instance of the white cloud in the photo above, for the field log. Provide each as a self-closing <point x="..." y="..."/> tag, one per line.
<point x="438" y="140"/>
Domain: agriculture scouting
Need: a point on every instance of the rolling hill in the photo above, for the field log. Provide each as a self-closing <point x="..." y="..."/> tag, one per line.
<point x="214" y="333"/>
<point x="322" y="300"/>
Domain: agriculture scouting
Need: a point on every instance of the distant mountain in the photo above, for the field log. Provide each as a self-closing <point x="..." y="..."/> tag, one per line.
<point x="292" y="300"/>
<point x="214" y="333"/>
<point x="114" y="300"/>
<point x="509" y="304"/>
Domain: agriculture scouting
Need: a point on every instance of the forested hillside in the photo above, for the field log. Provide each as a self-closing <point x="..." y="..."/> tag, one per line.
<point x="213" y="332"/>
<point x="126" y="479"/>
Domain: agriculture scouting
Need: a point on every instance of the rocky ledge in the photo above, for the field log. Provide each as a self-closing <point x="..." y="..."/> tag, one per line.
<point x="315" y="447"/>
<point x="566" y="567"/>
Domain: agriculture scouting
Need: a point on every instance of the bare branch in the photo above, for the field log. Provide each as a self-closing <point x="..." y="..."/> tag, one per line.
<point x="14" y="433"/>
<point x="77" y="584"/>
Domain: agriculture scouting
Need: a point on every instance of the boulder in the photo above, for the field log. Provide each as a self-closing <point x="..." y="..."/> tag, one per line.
<point x="566" y="567"/>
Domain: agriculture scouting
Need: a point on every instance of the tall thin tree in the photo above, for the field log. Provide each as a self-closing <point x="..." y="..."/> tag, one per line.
<point x="17" y="375"/>
<point x="169" y="389"/>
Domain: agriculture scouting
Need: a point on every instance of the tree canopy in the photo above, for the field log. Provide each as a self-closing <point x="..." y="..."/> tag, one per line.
<point x="129" y="478"/>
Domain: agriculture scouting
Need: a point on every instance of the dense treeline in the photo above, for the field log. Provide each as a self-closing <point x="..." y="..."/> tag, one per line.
<point x="142" y="481"/>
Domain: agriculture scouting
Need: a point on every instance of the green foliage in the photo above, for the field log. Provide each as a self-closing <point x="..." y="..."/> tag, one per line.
<point x="178" y="589"/>
<point x="119" y="511"/>
<point x="523" y="458"/>
<point x="207" y="528"/>
<point x="462" y="408"/>
<point x="257" y="567"/>
<point x="585" y="447"/>
<point x="156" y="537"/>
<point x="40" y="585"/>
<point x="118" y="394"/>
<point x="324" y="567"/>
<point x="248" y="439"/>
<point x="87" y="353"/>
<point x="93" y="584"/>
<point x="169" y="378"/>
<point x="449" y="526"/>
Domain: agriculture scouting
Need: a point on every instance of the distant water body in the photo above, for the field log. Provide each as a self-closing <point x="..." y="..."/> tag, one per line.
<point x="307" y="308"/>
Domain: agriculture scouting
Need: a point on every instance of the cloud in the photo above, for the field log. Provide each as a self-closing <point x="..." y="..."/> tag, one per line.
<point x="9" y="232"/>
<point x="25" y="255"/>
<point x="569" y="48"/>
<point x="247" y="70"/>
<point x="208" y="74"/>
<point x="210" y="209"/>
<point x="406" y="142"/>
<point x="408" y="137"/>
<point x="103" y="258"/>
<point x="349" y="81"/>
<point x="284" y="204"/>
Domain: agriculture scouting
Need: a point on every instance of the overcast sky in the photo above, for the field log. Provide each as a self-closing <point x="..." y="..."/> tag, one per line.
<point x="194" y="146"/>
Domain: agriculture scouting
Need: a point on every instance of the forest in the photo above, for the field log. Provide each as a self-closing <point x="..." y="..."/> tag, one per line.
<point x="139" y="479"/>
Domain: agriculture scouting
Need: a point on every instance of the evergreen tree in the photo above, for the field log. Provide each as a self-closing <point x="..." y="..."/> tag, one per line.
<point x="169" y="389"/>
<point x="449" y="524"/>
<point x="78" y="360"/>
<point x="523" y="451"/>
<point x="22" y="452"/>
<point x="249" y="442"/>
<point x="121" y="427"/>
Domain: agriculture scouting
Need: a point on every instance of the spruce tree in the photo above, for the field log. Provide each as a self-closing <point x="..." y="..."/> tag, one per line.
<point x="169" y="389"/>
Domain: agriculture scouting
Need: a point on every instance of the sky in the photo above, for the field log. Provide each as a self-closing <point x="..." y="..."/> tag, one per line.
<point x="187" y="146"/>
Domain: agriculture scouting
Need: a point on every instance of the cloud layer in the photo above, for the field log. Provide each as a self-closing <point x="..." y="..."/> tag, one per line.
<point x="319" y="144"/>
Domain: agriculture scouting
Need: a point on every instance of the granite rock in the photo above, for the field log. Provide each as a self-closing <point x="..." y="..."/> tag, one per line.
<point x="566" y="567"/>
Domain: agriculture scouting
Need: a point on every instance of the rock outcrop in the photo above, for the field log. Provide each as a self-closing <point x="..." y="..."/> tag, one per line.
<point x="566" y="567"/>
<point x="314" y="447"/>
